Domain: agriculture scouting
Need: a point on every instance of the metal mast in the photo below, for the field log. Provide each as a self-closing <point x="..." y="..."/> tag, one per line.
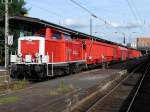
<point x="6" y="35"/>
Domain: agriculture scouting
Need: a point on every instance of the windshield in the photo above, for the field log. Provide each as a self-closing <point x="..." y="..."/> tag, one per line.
<point x="25" y="33"/>
<point x="40" y="33"/>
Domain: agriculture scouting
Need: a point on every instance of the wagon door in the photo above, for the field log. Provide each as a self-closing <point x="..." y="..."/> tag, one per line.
<point x="72" y="49"/>
<point x="67" y="39"/>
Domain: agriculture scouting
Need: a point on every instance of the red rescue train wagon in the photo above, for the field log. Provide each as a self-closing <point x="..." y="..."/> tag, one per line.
<point x="50" y="52"/>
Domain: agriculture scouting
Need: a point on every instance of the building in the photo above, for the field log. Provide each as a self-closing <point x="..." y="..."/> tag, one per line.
<point x="143" y="43"/>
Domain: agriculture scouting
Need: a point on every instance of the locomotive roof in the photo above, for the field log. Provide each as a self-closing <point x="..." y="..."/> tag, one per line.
<point x="40" y="22"/>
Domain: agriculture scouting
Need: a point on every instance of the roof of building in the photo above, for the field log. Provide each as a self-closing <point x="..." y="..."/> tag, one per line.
<point x="42" y="23"/>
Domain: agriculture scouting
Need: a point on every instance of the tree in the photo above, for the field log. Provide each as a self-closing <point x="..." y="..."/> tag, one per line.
<point x="16" y="8"/>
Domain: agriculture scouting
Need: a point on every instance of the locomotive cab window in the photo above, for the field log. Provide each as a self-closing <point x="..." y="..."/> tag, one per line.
<point x="56" y="36"/>
<point x="40" y="33"/>
<point x="67" y="37"/>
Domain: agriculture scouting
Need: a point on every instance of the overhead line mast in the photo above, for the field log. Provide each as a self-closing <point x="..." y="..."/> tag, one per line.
<point x="6" y="34"/>
<point x="6" y="2"/>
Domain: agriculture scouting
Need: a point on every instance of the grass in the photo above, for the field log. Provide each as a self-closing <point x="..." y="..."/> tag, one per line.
<point x="21" y="84"/>
<point x="14" y="86"/>
<point x="8" y="100"/>
<point x="62" y="88"/>
<point x="53" y="93"/>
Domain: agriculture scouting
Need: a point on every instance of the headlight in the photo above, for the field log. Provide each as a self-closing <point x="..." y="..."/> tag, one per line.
<point x="36" y="55"/>
<point x="19" y="55"/>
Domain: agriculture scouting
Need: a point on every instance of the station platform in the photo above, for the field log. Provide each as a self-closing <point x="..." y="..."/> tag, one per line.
<point x="3" y="71"/>
<point x="4" y="80"/>
<point x="4" y="74"/>
<point x="48" y="96"/>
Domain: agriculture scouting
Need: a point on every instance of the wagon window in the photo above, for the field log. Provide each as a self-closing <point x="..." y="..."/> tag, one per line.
<point x="67" y="37"/>
<point x="56" y="36"/>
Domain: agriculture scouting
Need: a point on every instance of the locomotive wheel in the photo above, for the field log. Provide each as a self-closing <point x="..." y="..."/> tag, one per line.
<point x="59" y="72"/>
<point x="13" y="74"/>
<point x="92" y="66"/>
<point x="41" y="75"/>
<point x="103" y="65"/>
<point x="19" y="75"/>
<point x="107" y="65"/>
<point x="66" y="71"/>
<point x="76" y="69"/>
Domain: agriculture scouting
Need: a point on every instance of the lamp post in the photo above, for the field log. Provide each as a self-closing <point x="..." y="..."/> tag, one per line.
<point x="134" y="42"/>
<point x="91" y="23"/>
<point x="91" y="26"/>
<point x="124" y="38"/>
<point x="130" y="37"/>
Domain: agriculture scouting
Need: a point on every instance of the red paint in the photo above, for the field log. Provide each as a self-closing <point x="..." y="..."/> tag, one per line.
<point x="48" y="34"/>
<point x="65" y="50"/>
<point x="29" y="47"/>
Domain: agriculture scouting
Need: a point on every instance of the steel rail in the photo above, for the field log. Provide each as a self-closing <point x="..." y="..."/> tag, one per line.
<point x="112" y="90"/>
<point x="51" y="103"/>
<point x="139" y="86"/>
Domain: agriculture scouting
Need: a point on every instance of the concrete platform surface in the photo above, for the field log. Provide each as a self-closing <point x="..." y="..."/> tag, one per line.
<point x="3" y="71"/>
<point x="40" y="97"/>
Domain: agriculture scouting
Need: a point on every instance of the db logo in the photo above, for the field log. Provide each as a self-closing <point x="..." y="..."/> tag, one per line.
<point x="75" y="52"/>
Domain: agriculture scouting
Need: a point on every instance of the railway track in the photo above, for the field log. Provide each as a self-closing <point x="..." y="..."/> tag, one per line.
<point x="114" y="100"/>
<point x="38" y="94"/>
<point x="141" y="98"/>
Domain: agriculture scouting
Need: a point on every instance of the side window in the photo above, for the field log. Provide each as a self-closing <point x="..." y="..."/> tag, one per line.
<point x="56" y="36"/>
<point x="67" y="37"/>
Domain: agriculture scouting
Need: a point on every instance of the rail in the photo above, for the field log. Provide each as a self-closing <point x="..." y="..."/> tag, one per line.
<point x="111" y="91"/>
<point x="138" y="88"/>
<point x="67" y="99"/>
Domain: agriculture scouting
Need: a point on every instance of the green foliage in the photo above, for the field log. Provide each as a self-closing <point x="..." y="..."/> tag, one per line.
<point x="16" y="8"/>
<point x="21" y="84"/>
<point x="8" y="100"/>
<point x="61" y="89"/>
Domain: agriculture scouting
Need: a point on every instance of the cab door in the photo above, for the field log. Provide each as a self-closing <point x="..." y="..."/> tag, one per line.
<point x="67" y="38"/>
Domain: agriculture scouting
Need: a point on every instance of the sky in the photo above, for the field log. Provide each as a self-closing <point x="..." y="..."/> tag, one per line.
<point x="125" y="17"/>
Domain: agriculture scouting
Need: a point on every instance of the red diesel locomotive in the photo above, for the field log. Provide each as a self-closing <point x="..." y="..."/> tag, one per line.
<point x="52" y="52"/>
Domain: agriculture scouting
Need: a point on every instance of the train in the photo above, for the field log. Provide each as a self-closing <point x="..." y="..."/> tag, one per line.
<point x="50" y="52"/>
